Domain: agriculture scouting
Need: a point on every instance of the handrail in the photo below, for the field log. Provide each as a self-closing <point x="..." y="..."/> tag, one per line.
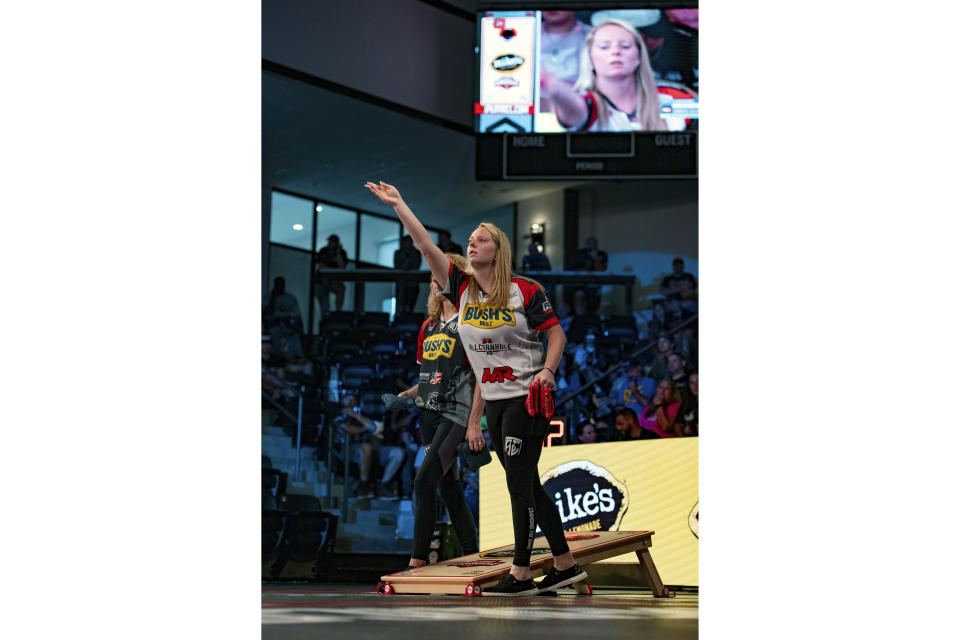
<point x="298" y="419"/>
<point x="622" y="365"/>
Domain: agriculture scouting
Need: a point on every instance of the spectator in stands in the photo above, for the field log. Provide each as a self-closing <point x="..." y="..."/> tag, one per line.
<point x="615" y="90"/>
<point x="688" y="420"/>
<point x="586" y="433"/>
<point x="407" y="258"/>
<point x="588" y="361"/>
<point x="561" y="44"/>
<point x="679" y="282"/>
<point x="286" y="340"/>
<point x="535" y="260"/>
<point x="393" y="451"/>
<point x="676" y="315"/>
<point x="662" y="350"/>
<point x="686" y="343"/>
<point x="672" y="47"/>
<point x="628" y="428"/>
<point x="605" y="433"/>
<point x="659" y="416"/>
<point x="362" y="432"/>
<point x="658" y="323"/>
<point x="446" y="244"/>
<point x="633" y="388"/>
<point x="331" y="256"/>
<point x="589" y="258"/>
<point x="677" y="370"/>
<point x="281" y="306"/>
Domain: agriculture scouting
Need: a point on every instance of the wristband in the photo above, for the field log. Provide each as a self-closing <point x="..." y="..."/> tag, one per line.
<point x="552" y="372"/>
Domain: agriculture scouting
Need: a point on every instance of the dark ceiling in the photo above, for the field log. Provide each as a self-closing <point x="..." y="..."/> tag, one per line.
<point x="323" y="144"/>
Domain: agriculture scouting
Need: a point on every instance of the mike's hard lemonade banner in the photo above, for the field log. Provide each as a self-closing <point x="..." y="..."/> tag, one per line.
<point x="644" y="485"/>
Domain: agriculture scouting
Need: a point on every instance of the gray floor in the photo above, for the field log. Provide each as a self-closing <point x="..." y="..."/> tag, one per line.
<point x="294" y="612"/>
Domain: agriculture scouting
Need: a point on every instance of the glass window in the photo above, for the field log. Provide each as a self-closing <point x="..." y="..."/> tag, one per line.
<point x="342" y="223"/>
<point x="291" y="220"/>
<point x="379" y="238"/>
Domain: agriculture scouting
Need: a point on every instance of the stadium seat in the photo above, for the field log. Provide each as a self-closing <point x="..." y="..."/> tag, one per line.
<point x="306" y="551"/>
<point x="376" y="320"/>
<point x="356" y="374"/>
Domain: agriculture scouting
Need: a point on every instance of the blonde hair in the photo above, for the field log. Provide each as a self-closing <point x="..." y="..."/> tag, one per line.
<point x="502" y="271"/>
<point x="435" y="300"/>
<point x="648" y="100"/>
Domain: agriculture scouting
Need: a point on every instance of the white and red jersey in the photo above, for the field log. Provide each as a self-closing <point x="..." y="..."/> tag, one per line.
<point x="502" y="343"/>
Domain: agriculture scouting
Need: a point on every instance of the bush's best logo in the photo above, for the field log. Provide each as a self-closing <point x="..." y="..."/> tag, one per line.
<point x="588" y="497"/>
<point x="488" y="317"/>
<point x="507" y="62"/>
<point x="438" y="345"/>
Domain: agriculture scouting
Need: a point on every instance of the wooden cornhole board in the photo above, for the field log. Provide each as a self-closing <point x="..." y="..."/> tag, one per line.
<point x="470" y="575"/>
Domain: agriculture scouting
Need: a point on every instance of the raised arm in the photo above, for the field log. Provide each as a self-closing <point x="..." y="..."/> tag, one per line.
<point x="438" y="263"/>
<point x="570" y="107"/>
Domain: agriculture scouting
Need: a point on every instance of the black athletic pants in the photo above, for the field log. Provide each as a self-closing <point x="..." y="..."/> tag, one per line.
<point x="517" y="438"/>
<point x="440" y="437"/>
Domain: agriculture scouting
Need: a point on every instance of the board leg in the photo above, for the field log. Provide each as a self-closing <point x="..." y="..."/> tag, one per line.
<point x="650" y="571"/>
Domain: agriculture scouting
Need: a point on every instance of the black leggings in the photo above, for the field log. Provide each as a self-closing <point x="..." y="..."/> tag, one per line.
<point x="440" y="438"/>
<point x="518" y="439"/>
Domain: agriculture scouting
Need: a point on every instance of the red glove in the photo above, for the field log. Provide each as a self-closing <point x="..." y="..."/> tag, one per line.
<point x="539" y="400"/>
<point x="546" y="402"/>
<point x="533" y="398"/>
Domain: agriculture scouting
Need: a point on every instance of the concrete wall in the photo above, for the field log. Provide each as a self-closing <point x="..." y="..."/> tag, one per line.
<point x="548" y="210"/>
<point x="642" y="226"/>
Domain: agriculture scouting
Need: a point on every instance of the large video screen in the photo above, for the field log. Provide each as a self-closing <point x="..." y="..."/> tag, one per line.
<point x="587" y="71"/>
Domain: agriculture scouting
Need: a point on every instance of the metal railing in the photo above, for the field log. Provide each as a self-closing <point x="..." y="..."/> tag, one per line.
<point x="299" y="419"/>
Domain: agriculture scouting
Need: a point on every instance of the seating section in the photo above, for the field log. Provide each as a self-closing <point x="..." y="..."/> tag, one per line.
<point x="306" y="550"/>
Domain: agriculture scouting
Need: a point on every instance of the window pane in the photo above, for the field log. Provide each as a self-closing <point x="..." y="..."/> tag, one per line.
<point x="333" y="220"/>
<point x="286" y="214"/>
<point x="379" y="238"/>
<point x="294" y="267"/>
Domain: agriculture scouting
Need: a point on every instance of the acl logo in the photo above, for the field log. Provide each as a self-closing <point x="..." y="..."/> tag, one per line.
<point x="498" y="374"/>
<point x="511" y="445"/>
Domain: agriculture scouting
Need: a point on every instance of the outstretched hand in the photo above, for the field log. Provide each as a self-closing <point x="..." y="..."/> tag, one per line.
<point x="388" y="194"/>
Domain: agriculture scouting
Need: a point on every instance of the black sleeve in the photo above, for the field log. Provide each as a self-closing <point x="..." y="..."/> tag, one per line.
<point x="456" y="280"/>
<point x="540" y="312"/>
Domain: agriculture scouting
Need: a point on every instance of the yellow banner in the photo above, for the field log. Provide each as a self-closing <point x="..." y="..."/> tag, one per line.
<point x="643" y="485"/>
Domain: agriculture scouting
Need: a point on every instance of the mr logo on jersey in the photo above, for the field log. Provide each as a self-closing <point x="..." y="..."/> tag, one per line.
<point x="438" y="345"/>
<point x="488" y="317"/>
<point x="497" y="374"/>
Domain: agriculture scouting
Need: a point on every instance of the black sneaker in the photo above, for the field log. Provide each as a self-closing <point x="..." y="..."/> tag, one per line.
<point x="510" y="586"/>
<point x="557" y="579"/>
<point x="387" y="492"/>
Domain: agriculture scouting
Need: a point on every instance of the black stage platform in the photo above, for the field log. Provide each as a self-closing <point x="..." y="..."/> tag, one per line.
<point x="307" y="611"/>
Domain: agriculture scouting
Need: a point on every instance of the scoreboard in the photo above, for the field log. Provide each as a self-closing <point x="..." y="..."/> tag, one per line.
<point x="584" y="156"/>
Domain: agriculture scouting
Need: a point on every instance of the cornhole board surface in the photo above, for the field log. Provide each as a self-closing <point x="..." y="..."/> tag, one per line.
<point x="469" y="575"/>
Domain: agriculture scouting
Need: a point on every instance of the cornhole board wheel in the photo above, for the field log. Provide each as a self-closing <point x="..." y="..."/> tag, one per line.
<point x="470" y="575"/>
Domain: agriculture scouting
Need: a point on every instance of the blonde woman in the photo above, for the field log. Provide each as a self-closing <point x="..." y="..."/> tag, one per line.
<point x="502" y="318"/>
<point x="615" y="91"/>
<point x="445" y="393"/>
